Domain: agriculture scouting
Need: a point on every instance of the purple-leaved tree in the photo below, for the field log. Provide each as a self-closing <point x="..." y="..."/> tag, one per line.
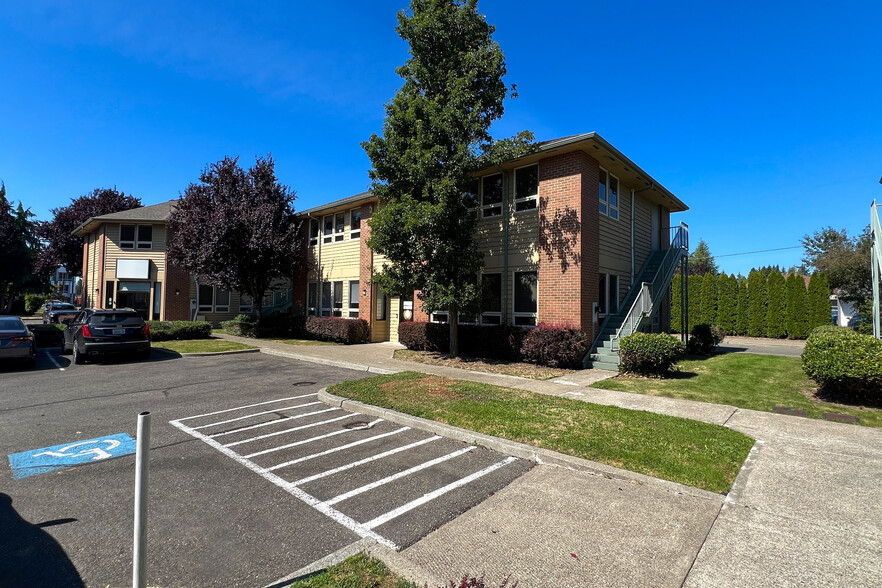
<point x="236" y="229"/>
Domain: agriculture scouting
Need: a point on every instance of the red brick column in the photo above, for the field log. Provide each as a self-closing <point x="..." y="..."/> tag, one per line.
<point x="177" y="306"/>
<point x="569" y="240"/>
<point x="365" y="268"/>
<point x="419" y="315"/>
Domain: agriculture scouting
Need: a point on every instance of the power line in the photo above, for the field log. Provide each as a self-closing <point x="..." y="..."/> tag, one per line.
<point x="760" y="251"/>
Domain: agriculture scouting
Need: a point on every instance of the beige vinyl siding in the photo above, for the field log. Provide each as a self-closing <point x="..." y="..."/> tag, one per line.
<point x="339" y="261"/>
<point x="215" y="318"/>
<point x="93" y="277"/>
<point x="615" y="241"/>
<point x="642" y="233"/>
<point x="523" y="236"/>
<point x="156" y="254"/>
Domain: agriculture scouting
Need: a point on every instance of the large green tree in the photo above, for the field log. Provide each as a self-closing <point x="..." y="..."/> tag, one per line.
<point x="742" y="323"/>
<point x="776" y="305"/>
<point x="797" y="317"/>
<point x="708" y="311"/>
<point x="844" y="260"/>
<point x="701" y="261"/>
<point x="727" y="304"/>
<point x="18" y="249"/>
<point x="758" y="300"/>
<point x="434" y="132"/>
<point x="818" y="303"/>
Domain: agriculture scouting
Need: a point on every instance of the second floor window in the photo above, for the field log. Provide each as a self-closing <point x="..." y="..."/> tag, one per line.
<point x="527" y="188"/>
<point x="491" y="195"/>
<point x="355" y="224"/>
<point x="313" y="232"/>
<point x="136" y="237"/>
<point x="609" y="194"/>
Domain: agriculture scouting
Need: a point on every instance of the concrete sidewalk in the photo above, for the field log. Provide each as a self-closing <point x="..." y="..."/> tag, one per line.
<point x="804" y="511"/>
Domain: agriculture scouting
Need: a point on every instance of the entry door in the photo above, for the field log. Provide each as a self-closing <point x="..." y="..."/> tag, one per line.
<point x="140" y="301"/>
<point x="656" y="227"/>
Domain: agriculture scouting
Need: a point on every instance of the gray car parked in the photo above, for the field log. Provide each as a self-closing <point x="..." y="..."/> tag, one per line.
<point x="16" y="341"/>
<point x="54" y="312"/>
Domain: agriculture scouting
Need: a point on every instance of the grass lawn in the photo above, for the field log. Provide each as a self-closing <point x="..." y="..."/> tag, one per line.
<point x="201" y="346"/>
<point x="689" y="452"/>
<point x="745" y="380"/>
<point x="524" y="370"/>
<point x="299" y="341"/>
<point x="356" y="572"/>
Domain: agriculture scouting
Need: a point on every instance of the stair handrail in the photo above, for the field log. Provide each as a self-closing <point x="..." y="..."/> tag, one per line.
<point x="651" y="292"/>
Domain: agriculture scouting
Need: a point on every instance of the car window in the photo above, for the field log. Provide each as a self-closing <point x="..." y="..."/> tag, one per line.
<point x="79" y="317"/>
<point x="115" y="318"/>
<point x="11" y="324"/>
<point x="63" y="307"/>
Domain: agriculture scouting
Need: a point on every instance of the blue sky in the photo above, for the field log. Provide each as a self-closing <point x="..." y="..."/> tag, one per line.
<point x="765" y="120"/>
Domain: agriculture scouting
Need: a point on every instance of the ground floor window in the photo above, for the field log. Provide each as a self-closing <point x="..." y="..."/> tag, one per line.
<point x="311" y="289"/>
<point x="213" y="299"/>
<point x="608" y="294"/>
<point x="526" y="298"/>
<point x="246" y="304"/>
<point x="382" y="302"/>
<point x="157" y="300"/>
<point x="353" y="298"/>
<point x="491" y="292"/>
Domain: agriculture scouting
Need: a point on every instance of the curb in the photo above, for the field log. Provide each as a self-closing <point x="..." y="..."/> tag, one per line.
<point x="210" y="353"/>
<point x="521" y="450"/>
<point x="332" y="362"/>
<point x="326" y="562"/>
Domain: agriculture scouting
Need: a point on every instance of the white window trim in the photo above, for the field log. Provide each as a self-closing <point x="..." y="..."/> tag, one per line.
<point x="604" y="198"/>
<point x="516" y="315"/>
<point x="224" y="308"/>
<point x="532" y="198"/>
<point x="488" y="207"/>
<point x="493" y="313"/>
<point x="136" y="244"/>
<point x="353" y="309"/>
<point x="339" y="234"/>
<point x="327" y="238"/>
<point x="433" y="318"/>
<point x="354" y="233"/>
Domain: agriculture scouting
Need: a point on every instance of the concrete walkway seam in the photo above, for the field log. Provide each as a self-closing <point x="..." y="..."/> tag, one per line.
<point x="740" y="483"/>
<point x="332" y="362"/>
<point x="522" y="450"/>
<point x="339" y="556"/>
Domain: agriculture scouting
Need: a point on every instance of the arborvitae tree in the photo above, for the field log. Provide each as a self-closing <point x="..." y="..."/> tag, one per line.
<point x="818" y="302"/>
<point x="727" y="302"/>
<point x="694" y="310"/>
<point x="742" y="321"/>
<point x="676" y="306"/>
<point x="757" y="303"/>
<point x="797" y="318"/>
<point x="701" y="261"/>
<point x="708" y="312"/>
<point x="776" y="306"/>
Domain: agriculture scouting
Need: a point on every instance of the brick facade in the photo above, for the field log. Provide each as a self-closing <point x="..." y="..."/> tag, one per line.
<point x="365" y="268"/>
<point x="569" y="239"/>
<point x="176" y="293"/>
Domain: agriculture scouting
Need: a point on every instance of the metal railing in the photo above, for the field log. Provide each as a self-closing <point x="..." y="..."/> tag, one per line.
<point x="651" y="292"/>
<point x="277" y="300"/>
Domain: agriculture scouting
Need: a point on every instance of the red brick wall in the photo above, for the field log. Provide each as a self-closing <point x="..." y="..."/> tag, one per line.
<point x="569" y="245"/>
<point x="177" y="306"/>
<point x="366" y="268"/>
<point x="419" y="315"/>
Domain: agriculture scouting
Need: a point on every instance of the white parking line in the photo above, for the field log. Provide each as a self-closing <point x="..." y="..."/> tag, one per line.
<point x="189" y="418"/>
<point x="248" y="416"/>
<point x="336" y="449"/>
<point x="342" y="468"/>
<point x="310" y="440"/>
<point x="393" y="477"/>
<point x="55" y="361"/>
<point x="434" y="494"/>
<point x="312" y="501"/>
<point x="300" y="428"/>
<point x="274" y="422"/>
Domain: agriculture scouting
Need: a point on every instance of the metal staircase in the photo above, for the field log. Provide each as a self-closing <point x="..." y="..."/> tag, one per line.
<point x="641" y="303"/>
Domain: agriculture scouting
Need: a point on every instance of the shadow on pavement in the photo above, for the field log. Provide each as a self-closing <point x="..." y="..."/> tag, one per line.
<point x="29" y="556"/>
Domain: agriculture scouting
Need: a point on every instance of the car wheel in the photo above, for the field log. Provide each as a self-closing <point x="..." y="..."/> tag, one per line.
<point x="143" y="355"/>
<point x="77" y="356"/>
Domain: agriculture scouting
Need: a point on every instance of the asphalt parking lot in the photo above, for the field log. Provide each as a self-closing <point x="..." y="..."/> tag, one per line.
<point x="251" y="478"/>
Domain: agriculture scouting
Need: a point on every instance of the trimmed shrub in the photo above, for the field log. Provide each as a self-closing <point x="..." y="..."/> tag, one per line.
<point x="503" y="342"/>
<point x="704" y="338"/>
<point x="338" y="329"/>
<point x="796" y="319"/>
<point x="847" y="366"/>
<point x="649" y="354"/>
<point x="555" y="346"/>
<point x="776" y="307"/>
<point x="727" y="305"/>
<point x="33" y="302"/>
<point x="244" y="325"/>
<point x="818" y="303"/>
<point x="742" y="320"/>
<point x="693" y="310"/>
<point x="47" y="335"/>
<point x="757" y="303"/>
<point x="420" y="336"/>
<point x="709" y="294"/>
<point x="179" y="330"/>
<point x="277" y="324"/>
<point x="676" y="303"/>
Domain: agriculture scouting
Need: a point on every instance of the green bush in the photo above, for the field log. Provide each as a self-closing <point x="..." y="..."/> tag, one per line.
<point x="338" y="329"/>
<point x="244" y="325"/>
<point x="847" y="366"/>
<point x="33" y="302"/>
<point x="704" y="338"/>
<point x="277" y="324"/>
<point x="776" y="291"/>
<point x="179" y="330"/>
<point x="649" y="354"/>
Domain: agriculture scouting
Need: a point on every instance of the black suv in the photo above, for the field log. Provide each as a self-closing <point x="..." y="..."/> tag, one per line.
<point x="92" y="333"/>
<point x="53" y="312"/>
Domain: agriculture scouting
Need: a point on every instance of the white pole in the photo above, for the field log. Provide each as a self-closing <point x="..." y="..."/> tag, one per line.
<point x="142" y="462"/>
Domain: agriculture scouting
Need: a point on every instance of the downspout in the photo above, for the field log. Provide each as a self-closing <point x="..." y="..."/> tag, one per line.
<point x="633" y="198"/>
<point x="505" y="222"/>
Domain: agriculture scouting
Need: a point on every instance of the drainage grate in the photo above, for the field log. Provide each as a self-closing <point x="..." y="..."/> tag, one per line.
<point x="839" y="417"/>
<point x="303" y="384"/>
<point x="357" y="425"/>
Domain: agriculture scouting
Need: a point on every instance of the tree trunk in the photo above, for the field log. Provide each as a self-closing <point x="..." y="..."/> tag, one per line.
<point x="258" y="306"/>
<point x="453" y="318"/>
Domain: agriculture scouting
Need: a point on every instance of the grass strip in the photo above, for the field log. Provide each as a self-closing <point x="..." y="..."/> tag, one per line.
<point x="356" y="572"/>
<point x="202" y="346"/>
<point x="523" y="370"/>
<point x="745" y="380"/>
<point x="299" y="341"/>
<point x="681" y="450"/>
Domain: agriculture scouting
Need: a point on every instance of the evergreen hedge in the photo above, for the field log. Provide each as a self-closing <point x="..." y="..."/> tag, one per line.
<point x="708" y="313"/>
<point x="776" y="305"/>
<point x="818" y="302"/>
<point x="758" y="301"/>
<point x="742" y="319"/>
<point x="797" y="319"/>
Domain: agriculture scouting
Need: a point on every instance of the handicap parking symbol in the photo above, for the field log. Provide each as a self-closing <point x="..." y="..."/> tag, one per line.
<point x="57" y="457"/>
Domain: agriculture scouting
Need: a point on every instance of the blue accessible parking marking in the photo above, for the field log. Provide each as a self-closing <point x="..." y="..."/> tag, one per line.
<point x="58" y="457"/>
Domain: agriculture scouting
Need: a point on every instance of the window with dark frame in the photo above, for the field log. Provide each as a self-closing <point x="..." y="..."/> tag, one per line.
<point x="608" y="192"/>
<point x="491" y="298"/>
<point x="601" y="297"/>
<point x="313" y="232"/>
<point x="526" y="290"/>
<point x="326" y="299"/>
<point x="491" y="195"/>
<point x="354" y="296"/>
<point x="328" y="234"/>
<point x="337" y="308"/>
<point x="527" y="188"/>
<point x="339" y="226"/>
<point x="355" y="223"/>
<point x="311" y="290"/>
